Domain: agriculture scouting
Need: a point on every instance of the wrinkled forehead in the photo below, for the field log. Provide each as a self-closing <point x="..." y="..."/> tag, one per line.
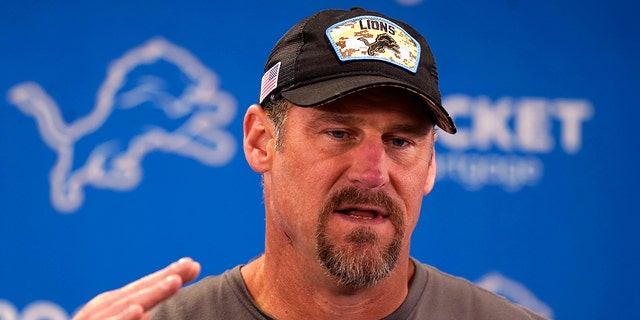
<point x="383" y="111"/>
<point x="381" y="100"/>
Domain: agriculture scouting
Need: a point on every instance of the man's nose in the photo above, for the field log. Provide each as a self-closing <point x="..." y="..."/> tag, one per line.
<point x="369" y="164"/>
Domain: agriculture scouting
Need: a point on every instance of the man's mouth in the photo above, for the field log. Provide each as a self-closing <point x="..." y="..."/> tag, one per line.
<point x="361" y="214"/>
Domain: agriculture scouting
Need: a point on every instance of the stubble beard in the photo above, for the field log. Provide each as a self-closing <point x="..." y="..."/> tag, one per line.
<point x="362" y="261"/>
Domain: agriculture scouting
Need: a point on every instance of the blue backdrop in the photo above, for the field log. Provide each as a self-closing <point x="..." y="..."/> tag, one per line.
<point x="120" y="146"/>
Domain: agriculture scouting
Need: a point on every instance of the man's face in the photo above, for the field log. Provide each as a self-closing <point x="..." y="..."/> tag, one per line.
<point x="347" y="184"/>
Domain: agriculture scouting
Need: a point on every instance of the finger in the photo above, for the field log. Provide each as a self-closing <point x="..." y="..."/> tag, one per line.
<point x="185" y="268"/>
<point x="190" y="270"/>
<point x="151" y="296"/>
<point x="133" y="312"/>
<point x="145" y="299"/>
<point x="145" y="292"/>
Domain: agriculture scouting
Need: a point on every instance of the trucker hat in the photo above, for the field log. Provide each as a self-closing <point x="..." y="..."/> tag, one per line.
<point x="334" y="53"/>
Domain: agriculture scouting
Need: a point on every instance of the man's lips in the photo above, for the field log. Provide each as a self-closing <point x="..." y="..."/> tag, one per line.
<point x="362" y="212"/>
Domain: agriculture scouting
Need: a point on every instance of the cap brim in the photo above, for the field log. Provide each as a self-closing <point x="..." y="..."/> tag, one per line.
<point x="329" y="90"/>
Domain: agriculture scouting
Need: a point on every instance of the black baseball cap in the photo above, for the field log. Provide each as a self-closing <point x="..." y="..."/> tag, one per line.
<point x="334" y="53"/>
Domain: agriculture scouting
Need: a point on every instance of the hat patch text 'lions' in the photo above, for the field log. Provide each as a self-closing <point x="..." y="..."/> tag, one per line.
<point x="374" y="38"/>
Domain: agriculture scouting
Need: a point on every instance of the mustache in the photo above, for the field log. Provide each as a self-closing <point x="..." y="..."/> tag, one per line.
<point x="355" y="196"/>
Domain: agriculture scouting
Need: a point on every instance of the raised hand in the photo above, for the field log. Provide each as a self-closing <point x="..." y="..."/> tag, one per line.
<point x="134" y="300"/>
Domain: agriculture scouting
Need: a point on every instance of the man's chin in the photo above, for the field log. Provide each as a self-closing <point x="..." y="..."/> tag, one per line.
<point x="361" y="261"/>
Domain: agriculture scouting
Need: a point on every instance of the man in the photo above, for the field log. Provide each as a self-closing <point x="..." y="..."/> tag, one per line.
<point x="344" y="140"/>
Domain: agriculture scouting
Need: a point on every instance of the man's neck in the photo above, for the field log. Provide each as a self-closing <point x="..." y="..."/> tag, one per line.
<point x="306" y="292"/>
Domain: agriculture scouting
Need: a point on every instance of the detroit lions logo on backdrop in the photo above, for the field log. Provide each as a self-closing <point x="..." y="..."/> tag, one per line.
<point x="514" y="291"/>
<point x="189" y="122"/>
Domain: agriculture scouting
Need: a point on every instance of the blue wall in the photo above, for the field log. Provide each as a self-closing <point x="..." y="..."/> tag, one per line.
<point x="120" y="136"/>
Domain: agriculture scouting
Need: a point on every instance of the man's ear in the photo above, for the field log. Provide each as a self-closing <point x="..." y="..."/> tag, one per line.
<point x="431" y="171"/>
<point x="258" y="139"/>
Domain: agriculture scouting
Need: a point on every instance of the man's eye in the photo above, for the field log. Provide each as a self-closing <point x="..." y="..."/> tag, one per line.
<point x="398" y="142"/>
<point x="337" y="134"/>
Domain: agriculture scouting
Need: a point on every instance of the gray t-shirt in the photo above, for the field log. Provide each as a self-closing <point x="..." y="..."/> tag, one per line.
<point x="433" y="295"/>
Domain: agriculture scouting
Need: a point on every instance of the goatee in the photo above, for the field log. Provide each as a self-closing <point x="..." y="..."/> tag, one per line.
<point x="363" y="261"/>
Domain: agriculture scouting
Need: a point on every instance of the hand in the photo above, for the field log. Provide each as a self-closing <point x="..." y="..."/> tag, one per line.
<point x="134" y="300"/>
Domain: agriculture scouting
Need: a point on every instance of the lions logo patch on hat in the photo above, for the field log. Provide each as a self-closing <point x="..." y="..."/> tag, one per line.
<point x="374" y="38"/>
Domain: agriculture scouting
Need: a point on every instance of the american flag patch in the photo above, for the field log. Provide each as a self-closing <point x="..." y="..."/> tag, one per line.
<point x="269" y="81"/>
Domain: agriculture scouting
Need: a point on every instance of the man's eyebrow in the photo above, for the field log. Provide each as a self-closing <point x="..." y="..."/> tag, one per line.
<point x="413" y="129"/>
<point x="408" y="128"/>
<point x="332" y="117"/>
